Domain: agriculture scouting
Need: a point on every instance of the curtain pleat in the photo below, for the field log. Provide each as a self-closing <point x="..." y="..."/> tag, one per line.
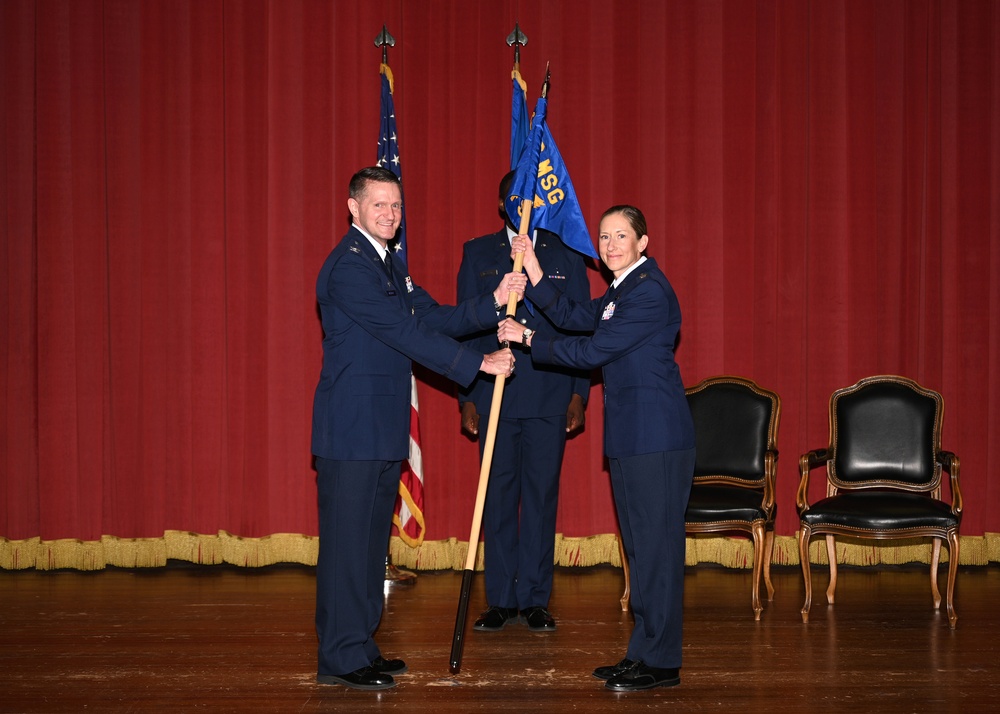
<point x="821" y="182"/>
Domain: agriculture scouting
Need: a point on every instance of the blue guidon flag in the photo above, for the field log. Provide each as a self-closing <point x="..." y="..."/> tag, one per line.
<point x="541" y="174"/>
<point x="519" y="122"/>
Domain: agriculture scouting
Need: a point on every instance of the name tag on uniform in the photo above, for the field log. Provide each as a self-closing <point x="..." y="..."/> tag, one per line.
<point x="609" y="311"/>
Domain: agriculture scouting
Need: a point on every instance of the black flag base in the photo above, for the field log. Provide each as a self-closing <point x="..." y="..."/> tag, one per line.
<point x="463" y="610"/>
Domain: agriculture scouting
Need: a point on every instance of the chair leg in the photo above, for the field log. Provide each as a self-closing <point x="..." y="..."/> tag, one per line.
<point x="952" y="573"/>
<point x="626" y="595"/>
<point x="935" y="562"/>
<point x="831" y="553"/>
<point x="804" y="534"/>
<point x="768" y="555"/>
<point x="758" y="565"/>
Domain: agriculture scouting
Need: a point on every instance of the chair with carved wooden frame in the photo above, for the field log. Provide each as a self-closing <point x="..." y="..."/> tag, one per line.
<point x="884" y="470"/>
<point x="736" y="426"/>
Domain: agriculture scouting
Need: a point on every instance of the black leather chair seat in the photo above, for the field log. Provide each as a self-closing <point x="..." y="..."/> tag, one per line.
<point x="881" y="511"/>
<point x="711" y="503"/>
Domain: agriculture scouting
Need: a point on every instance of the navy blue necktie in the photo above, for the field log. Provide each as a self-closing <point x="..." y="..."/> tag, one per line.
<point x="388" y="266"/>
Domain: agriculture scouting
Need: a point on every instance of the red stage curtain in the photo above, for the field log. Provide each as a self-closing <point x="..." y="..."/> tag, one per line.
<point x="821" y="181"/>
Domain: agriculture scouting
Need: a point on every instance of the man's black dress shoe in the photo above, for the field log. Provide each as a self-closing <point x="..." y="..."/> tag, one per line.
<point x="641" y="676"/>
<point x="388" y="666"/>
<point x="613" y="669"/>
<point x="364" y="678"/>
<point x="494" y="618"/>
<point x="538" y="619"/>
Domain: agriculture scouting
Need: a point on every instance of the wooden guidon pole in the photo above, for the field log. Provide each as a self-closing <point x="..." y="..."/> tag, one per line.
<point x="484" y="473"/>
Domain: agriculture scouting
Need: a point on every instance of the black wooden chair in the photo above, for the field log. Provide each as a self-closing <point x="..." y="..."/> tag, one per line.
<point x="883" y="469"/>
<point x="735" y="426"/>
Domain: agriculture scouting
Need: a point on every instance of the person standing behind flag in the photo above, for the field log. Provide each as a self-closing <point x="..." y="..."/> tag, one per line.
<point x="540" y="407"/>
<point x="648" y="430"/>
<point x="375" y="321"/>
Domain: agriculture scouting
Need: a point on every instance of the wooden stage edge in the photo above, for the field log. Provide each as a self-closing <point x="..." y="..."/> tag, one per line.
<point x="225" y="639"/>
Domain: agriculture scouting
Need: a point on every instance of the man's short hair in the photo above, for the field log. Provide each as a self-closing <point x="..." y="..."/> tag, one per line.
<point x="370" y="174"/>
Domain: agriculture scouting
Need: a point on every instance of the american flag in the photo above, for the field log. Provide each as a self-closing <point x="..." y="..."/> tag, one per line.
<point x="409" y="515"/>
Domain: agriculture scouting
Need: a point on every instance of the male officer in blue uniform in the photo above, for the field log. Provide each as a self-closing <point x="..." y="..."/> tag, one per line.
<point x="541" y="404"/>
<point x="375" y="321"/>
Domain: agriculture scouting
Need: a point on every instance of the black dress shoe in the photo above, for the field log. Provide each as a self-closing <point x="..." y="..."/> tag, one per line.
<point x="641" y="676"/>
<point x="364" y="678"/>
<point x="495" y="618"/>
<point x="613" y="669"/>
<point x="388" y="666"/>
<point x="538" y="619"/>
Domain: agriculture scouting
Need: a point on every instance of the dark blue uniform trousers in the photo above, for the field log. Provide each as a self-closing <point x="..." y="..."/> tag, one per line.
<point x="356" y="499"/>
<point x="651" y="495"/>
<point x="519" y="517"/>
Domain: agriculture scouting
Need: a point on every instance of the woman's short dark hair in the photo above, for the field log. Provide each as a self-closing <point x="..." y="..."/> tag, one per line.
<point x="632" y="214"/>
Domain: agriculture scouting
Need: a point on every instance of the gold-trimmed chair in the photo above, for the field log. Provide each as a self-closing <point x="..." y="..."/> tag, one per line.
<point x="735" y="427"/>
<point x="883" y="467"/>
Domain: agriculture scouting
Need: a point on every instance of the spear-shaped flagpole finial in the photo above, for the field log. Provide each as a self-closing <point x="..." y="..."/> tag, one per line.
<point x="385" y="41"/>
<point x="517" y="40"/>
<point x="545" y="84"/>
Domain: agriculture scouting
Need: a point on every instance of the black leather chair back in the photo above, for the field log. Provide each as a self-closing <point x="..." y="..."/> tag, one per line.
<point x="885" y="434"/>
<point x="731" y="423"/>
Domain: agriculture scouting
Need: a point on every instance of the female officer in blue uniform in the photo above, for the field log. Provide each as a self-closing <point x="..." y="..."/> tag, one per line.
<point x="648" y="432"/>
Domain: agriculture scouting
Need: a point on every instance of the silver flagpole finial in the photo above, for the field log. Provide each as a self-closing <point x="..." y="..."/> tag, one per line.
<point x="517" y="40"/>
<point x="385" y="41"/>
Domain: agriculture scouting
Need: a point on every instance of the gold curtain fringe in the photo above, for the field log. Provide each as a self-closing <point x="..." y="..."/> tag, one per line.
<point x="433" y="555"/>
<point x="587" y="551"/>
<point x="447" y="554"/>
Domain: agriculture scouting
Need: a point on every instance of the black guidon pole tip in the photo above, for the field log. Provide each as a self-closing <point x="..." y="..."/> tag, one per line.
<point x="463" y="608"/>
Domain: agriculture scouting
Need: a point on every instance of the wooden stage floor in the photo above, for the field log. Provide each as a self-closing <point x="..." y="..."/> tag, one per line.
<point x="189" y="638"/>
